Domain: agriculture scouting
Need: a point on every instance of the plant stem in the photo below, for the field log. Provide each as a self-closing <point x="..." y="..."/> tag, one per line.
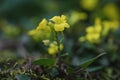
<point x="59" y="52"/>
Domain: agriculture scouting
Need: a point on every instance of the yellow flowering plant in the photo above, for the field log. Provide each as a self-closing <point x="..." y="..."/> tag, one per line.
<point x="49" y="31"/>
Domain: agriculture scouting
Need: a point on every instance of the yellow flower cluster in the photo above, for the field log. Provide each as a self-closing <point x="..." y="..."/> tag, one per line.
<point x="94" y="33"/>
<point x="43" y="30"/>
<point x="53" y="48"/>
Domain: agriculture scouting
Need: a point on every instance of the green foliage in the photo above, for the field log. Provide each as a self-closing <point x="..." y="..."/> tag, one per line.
<point x="45" y="62"/>
<point x="85" y="64"/>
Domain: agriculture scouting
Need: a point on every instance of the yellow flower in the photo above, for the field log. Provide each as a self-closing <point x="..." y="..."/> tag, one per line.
<point x="93" y="38"/>
<point x="42" y="25"/>
<point x="53" y="48"/>
<point x="109" y="26"/>
<point x="111" y="11"/>
<point x="90" y="29"/>
<point x="98" y="28"/>
<point x="114" y="24"/>
<point x="44" y="29"/>
<point x="93" y="32"/>
<point x="97" y="21"/>
<point x="32" y="32"/>
<point x="46" y="42"/>
<point x="60" y="23"/>
<point x="76" y="16"/>
<point x="89" y="4"/>
<point x="11" y="30"/>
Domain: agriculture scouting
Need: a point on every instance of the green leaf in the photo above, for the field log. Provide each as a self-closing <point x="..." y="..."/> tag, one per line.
<point x="45" y="62"/>
<point x="92" y="69"/>
<point x="85" y="64"/>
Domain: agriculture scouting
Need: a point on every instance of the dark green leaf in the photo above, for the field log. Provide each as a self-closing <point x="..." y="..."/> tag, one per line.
<point x="45" y="62"/>
<point x="85" y="64"/>
<point x="92" y="69"/>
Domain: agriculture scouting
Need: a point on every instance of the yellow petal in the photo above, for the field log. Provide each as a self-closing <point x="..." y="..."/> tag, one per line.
<point x="32" y="32"/>
<point x="56" y="19"/>
<point x="66" y="25"/>
<point x="90" y="29"/>
<point x="52" y="51"/>
<point x="98" y="28"/>
<point x="58" y="27"/>
<point x="63" y="17"/>
<point x="53" y="48"/>
<point x="42" y="24"/>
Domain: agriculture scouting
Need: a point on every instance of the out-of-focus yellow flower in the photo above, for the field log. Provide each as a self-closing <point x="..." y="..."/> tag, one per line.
<point x="53" y="48"/>
<point x="75" y="16"/>
<point x="98" y="28"/>
<point x="93" y="33"/>
<point x="60" y="23"/>
<point x="111" y="11"/>
<point x="93" y="38"/>
<point x="109" y="26"/>
<point x="11" y="30"/>
<point x="90" y="29"/>
<point x="89" y="4"/>
<point x="114" y="24"/>
<point x="94" y="29"/>
<point x="97" y="21"/>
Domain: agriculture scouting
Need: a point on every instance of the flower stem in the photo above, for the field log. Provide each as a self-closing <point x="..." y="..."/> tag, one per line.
<point x="59" y="52"/>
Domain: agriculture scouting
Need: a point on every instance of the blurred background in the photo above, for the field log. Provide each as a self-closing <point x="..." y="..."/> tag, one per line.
<point x="17" y="17"/>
